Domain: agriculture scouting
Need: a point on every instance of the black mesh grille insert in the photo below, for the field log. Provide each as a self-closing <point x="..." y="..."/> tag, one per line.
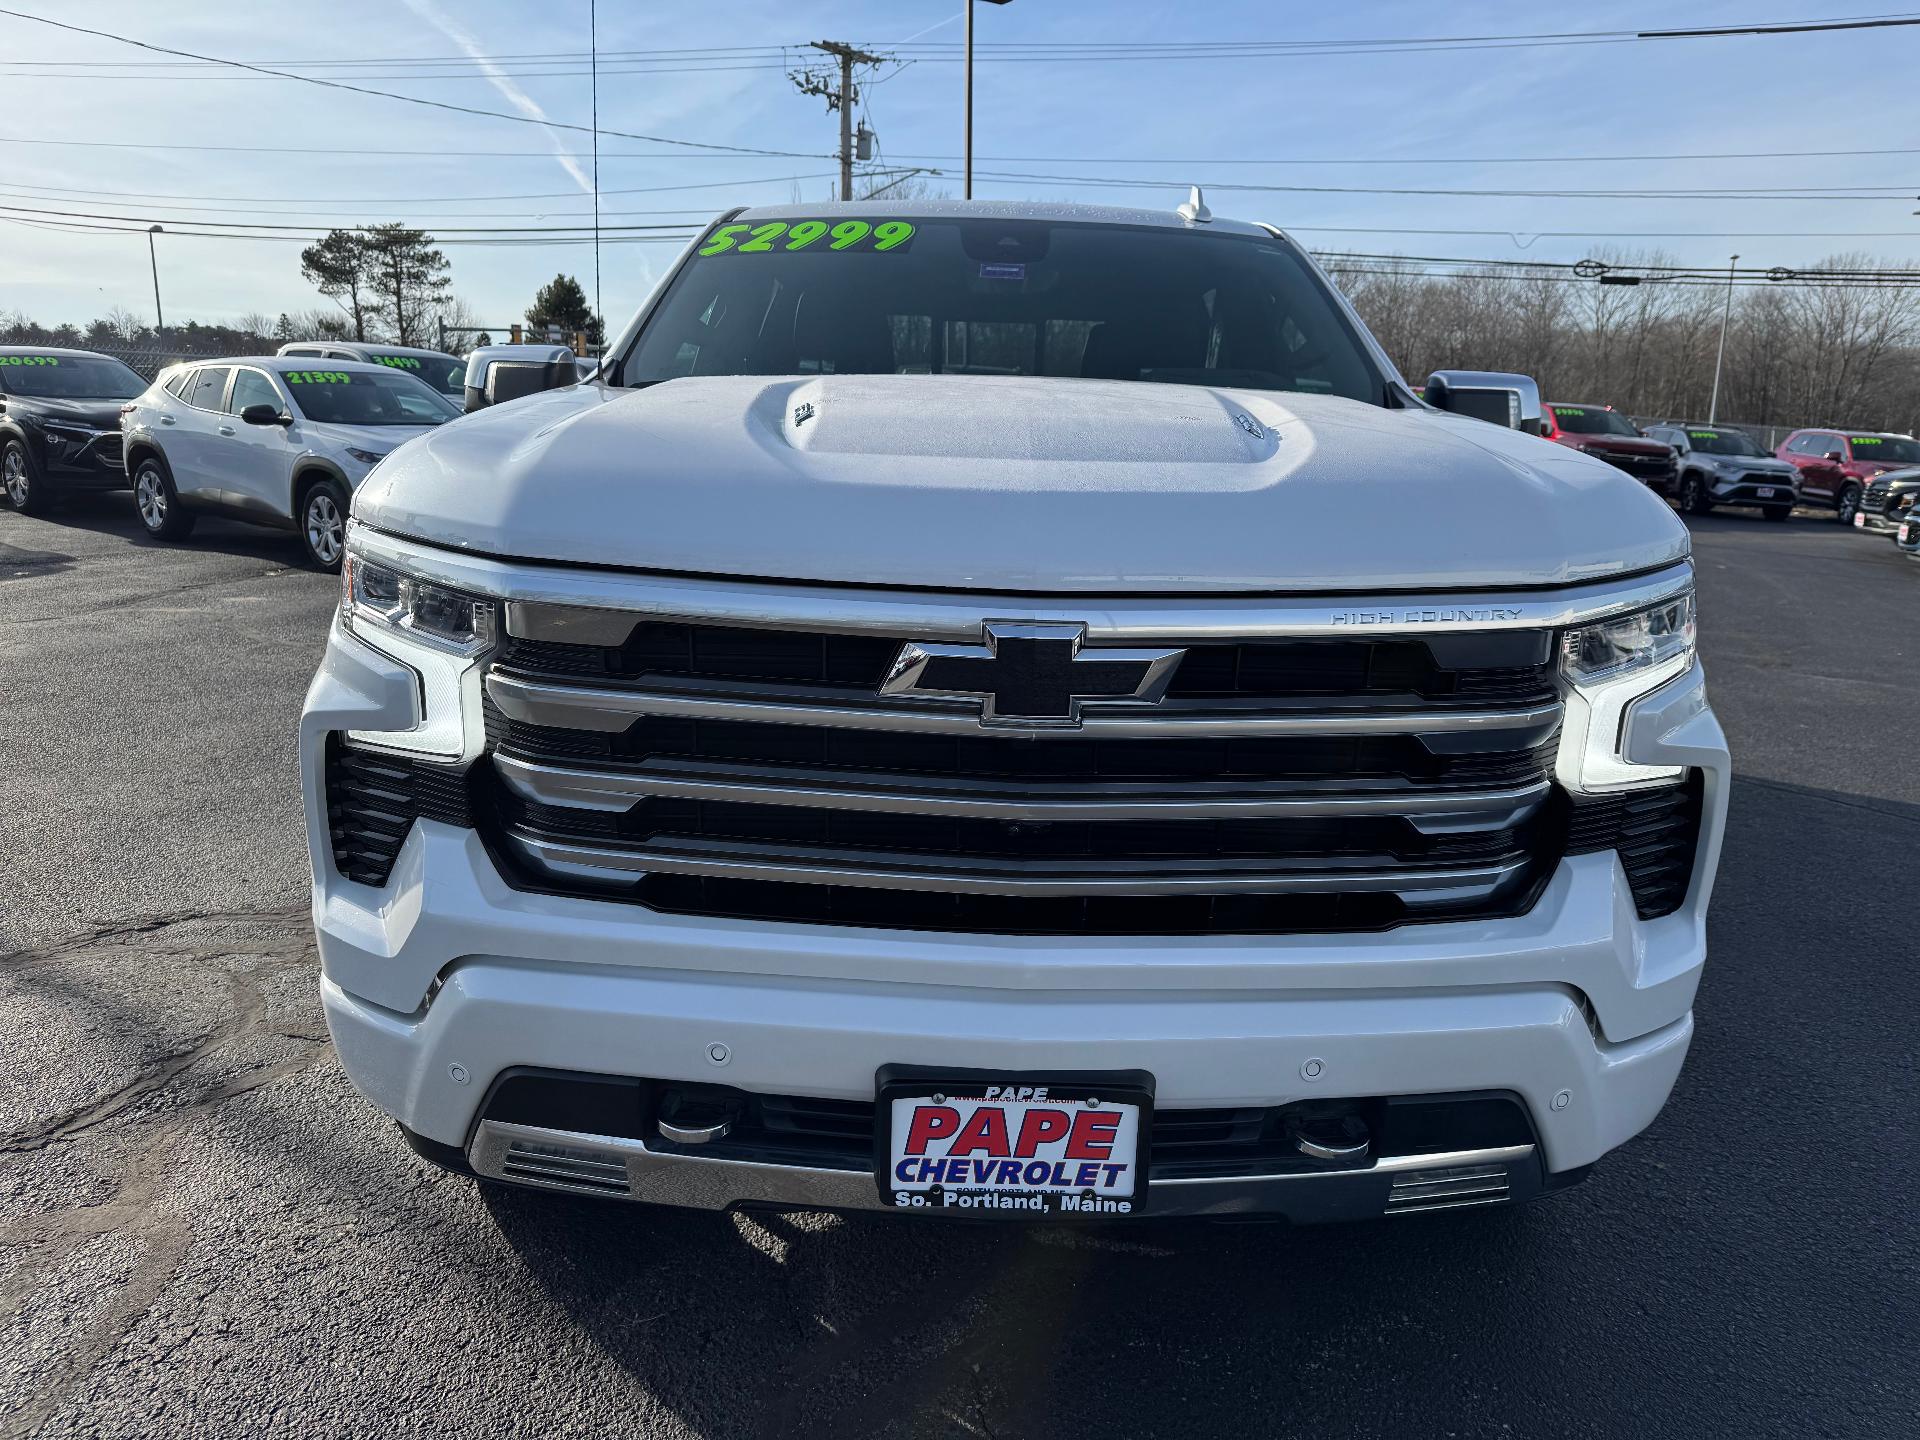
<point x="373" y="798"/>
<point x="1655" y="833"/>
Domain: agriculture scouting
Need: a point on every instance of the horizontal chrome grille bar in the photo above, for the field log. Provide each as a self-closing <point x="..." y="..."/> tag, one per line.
<point x="611" y="711"/>
<point x="620" y="790"/>
<point x="970" y="875"/>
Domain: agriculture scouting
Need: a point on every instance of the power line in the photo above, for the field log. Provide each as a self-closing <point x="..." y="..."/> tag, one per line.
<point x="394" y="95"/>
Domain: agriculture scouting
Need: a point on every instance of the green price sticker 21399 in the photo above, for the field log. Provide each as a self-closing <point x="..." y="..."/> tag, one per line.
<point x="778" y="235"/>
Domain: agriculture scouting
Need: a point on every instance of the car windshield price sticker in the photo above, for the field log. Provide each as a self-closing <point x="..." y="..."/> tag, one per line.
<point x="1032" y="1148"/>
<point x="318" y="377"/>
<point x="778" y="235"/>
<point x="29" y="359"/>
<point x="398" y="362"/>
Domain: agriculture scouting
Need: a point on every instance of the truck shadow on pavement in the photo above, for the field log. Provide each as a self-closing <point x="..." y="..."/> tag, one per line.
<point x="111" y="512"/>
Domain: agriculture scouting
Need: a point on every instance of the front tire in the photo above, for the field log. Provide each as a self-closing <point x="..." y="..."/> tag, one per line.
<point x="1693" y="496"/>
<point x="323" y="524"/>
<point x="1849" y="504"/>
<point x="20" y="480"/>
<point x="157" y="503"/>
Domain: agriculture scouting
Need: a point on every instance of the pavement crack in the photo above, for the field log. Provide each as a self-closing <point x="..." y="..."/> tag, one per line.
<point x="226" y="581"/>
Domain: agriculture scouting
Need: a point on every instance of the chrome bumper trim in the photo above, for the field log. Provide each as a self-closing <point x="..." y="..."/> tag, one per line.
<point x="623" y="1169"/>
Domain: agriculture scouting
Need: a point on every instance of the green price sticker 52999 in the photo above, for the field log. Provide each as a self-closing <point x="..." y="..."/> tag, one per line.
<point x="778" y="235"/>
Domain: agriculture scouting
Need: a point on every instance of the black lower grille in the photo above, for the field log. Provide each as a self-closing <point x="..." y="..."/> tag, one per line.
<point x="1655" y="833"/>
<point x="840" y="1134"/>
<point x="373" y="798"/>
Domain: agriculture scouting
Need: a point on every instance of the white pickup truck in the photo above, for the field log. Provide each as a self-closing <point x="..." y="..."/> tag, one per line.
<point x="1015" y="711"/>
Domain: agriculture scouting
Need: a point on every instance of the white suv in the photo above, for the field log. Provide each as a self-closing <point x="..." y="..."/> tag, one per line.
<point x="1016" y="711"/>
<point x="269" y="440"/>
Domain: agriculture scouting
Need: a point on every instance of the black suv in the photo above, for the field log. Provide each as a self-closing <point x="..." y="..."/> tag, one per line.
<point x="60" y="422"/>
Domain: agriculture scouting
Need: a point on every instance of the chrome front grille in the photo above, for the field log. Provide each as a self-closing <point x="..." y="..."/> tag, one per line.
<point x="1283" y="784"/>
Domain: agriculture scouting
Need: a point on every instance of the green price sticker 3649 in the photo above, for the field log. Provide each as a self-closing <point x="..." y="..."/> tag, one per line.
<point x="777" y="235"/>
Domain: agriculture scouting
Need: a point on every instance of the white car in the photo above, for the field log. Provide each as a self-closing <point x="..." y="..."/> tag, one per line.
<point x="270" y="440"/>
<point x="445" y="373"/>
<point x="1013" y="710"/>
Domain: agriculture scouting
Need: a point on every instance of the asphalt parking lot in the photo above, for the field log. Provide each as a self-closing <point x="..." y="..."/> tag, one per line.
<point x="204" y="1231"/>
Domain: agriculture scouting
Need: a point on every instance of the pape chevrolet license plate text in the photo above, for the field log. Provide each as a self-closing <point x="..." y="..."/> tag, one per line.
<point x="1015" y="1147"/>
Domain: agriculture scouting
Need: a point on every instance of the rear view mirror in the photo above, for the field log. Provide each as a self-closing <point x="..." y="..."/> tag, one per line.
<point x="1491" y="395"/>
<point x="264" y="415"/>
<point x="507" y="372"/>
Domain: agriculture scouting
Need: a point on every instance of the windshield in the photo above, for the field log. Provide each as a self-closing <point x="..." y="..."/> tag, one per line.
<point x="1578" y="420"/>
<point x="1885" y="449"/>
<point x="1003" y="297"/>
<point x="363" y="397"/>
<point x="1723" y="442"/>
<point x="68" y="377"/>
<point x="442" y="372"/>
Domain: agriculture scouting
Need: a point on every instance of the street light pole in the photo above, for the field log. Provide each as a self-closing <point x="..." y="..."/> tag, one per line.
<point x="159" y="320"/>
<point x="1713" y="405"/>
<point x="967" y="192"/>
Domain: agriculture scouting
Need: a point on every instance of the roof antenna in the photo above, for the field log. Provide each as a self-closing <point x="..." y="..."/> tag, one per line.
<point x="593" y="49"/>
<point x="1195" y="210"/>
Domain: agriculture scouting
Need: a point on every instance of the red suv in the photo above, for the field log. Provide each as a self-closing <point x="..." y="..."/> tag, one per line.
<point x="1835" y="465"/>
<point x="1603" y="431"/>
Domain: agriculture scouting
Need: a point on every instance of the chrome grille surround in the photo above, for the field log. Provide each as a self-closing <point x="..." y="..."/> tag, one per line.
<point x="585" y="819"/>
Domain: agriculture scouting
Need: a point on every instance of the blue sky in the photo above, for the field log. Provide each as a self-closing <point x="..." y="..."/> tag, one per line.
<point x="1416" y="110"/>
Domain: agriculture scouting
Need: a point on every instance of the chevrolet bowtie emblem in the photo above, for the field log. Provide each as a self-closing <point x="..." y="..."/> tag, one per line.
<point x="1029" y="674"/>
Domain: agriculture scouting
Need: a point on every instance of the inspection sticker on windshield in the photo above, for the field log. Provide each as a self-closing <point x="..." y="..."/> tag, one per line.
<point x="1053" y="1146"/>
<point x="318" y="377"/>
<point x="782" y="235"/>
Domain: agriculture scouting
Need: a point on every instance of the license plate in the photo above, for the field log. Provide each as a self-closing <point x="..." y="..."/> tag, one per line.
<point x="988" y="1143"/>
<point x="1859" y="520"/>
<point x="1766" y="492"/>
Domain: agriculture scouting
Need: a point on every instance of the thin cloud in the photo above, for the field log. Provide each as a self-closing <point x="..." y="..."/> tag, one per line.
<point x="428" y="11"/>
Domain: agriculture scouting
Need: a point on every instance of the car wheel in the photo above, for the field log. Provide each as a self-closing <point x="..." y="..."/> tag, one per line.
<point x="323" y="524"/>
<point x="1849" y="502"/>
<point x="20" y="480"/>
<point x="1777" y="512"/>
<point x="161" y="513"/>
<point x="1693" y="496"/>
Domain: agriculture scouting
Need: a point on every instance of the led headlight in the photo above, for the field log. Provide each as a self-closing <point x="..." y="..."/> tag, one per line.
<point x="1607" y="666"/>
<point x="366" y="457"/>
<point x="441" y="633"/>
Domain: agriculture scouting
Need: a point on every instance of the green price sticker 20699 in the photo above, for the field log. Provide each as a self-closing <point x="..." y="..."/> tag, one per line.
<point x="778" y="235"/>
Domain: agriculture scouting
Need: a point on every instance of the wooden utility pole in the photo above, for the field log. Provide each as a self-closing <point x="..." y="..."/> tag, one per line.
<point x="840" y="97"/>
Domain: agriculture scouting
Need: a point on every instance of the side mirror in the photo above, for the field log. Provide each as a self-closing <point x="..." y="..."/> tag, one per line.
<point x="507" y="372"/>
<point x="1502" y="399"/>
<point x="265" y="415"/>
<point x="1835" y="456"/>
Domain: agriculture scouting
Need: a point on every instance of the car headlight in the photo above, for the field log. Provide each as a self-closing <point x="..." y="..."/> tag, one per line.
<point x="1607" y="666"/>
<point x="442" y="634"/>
<point x="366" y="457"/>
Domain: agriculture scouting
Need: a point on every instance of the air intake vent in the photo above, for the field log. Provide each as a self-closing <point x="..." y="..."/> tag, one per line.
<point x="374" y="797"/>
<point x="1655" y="833"/>
<point x="1453" y="1189"/>
<point x="573" y="1167"/>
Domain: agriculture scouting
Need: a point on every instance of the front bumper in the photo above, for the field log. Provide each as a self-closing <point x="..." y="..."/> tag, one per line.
<point x="77" y="459"/>
<point x="446" y="977"/>
<point x="1748" y="491"/>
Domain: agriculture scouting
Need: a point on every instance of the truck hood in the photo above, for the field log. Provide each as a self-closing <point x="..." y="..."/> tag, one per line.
<point x="1023" y="484"/>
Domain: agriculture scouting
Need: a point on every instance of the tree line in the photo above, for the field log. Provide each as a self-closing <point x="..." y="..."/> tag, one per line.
<point x="1809" y="351"/>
